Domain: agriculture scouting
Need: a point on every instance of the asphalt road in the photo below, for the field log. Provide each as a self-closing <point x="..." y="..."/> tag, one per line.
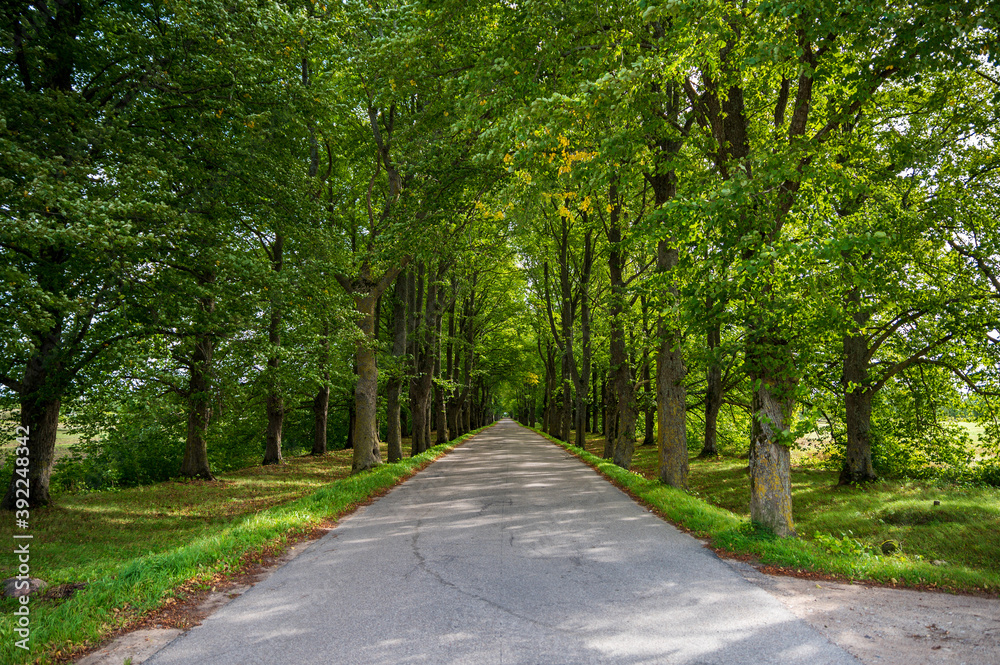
<point x="507" y="550"/>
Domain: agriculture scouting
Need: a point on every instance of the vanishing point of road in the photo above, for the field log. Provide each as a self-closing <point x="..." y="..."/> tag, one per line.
<point x="506" y="550"/>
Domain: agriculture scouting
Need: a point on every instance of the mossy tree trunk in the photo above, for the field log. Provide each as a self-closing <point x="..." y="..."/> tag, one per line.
<point x="769" y="365"/>
<point x="366" y="290"/>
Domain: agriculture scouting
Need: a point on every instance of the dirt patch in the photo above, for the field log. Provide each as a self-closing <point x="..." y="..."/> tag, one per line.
<point x="63" y="591"/>
<point x="890" y="626"/>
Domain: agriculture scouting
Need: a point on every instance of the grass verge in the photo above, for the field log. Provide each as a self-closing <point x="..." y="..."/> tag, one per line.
<point x="122" y="584"/>
<point x="844" y="557"/>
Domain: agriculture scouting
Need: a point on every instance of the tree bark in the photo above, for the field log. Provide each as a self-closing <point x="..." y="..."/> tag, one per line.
<point x="769" y="365"/>
<point x="566" y="412"/>
<point x="650" y="406"/>
<point x="713" y="391"/>
<point x="366" y="390"/>
<point x="858" y="396"/>
<point x="610" y="416"/>
<point x="275" y="403"/>
<point x="440" y="423"/>
<point x="594" y="406"/>
<point x="421" y="384"/>
<point x="858" y="466"/>
<point x="552" y="420"/>
<point x="321" y="410"/>
<point x="623" y="404"/>
<point x="195" y="463"/>
<point x="40" y="403"/>
<point x="321" y="402"/>
<point x="581" y="378"/>
<point x="395" y="384"/>
<point x="451" y="369"/>
<point x="275" y="421"/>
<point x="349" y="444"/>
<point x="671" y="396"/>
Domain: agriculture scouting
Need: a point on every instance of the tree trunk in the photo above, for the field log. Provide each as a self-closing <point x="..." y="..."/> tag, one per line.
<point x="605" y="406"/>
<point x="858" y="402"/>
<point x="452" y="415"/>
<point x="321" y="402"/>
<point x="623" y="403"/>
<point x="349" y="444"/>
<point x="594" y="405"/>
<point x="451" y="370"/>
<point x="671" y="396"/>
<point x="419" y="398"/>
<point x="610" y="418"/>
<point x="275" y="422"/>
<point x="321" y="410"/>
<point x="195" y="463"/>
<point x="566" y="412"/>
<point x="366" y="390"/>
<point x="650" y="403"/>
<point x="769" y="364"/>
<point x="394" y="430"/>
<point x="40" y="401"/>
<point x="582" y="377"/>
<point x="275" y="403"/>
<point x="440" y="424"/>
<point x="40" y="421"/>
<point x="858" y="466"/>
<point x="421" y="385"/>
<point x="545" y="406"/>
<point x="713" y="392"/>
<point x="429" y="416"/>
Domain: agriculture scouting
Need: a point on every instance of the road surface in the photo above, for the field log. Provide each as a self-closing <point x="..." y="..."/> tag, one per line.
<point x="507" y="550"/>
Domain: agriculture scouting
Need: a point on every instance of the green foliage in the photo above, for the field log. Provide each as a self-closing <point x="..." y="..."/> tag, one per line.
<point x="143" y="443"/>
<point x="911" y="439"/>
<point x="846" y="545"/>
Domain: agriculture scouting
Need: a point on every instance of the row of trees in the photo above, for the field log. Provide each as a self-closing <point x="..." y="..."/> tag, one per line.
<point x="250" y="207"/>
<point x="215" y="216"/>
<point x="782" y="207"/>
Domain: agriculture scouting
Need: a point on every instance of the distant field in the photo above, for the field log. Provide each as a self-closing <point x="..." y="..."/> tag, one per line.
<point x="811" y="445"/>
<point x="64" y="440"/>
<point x="975" y="431"/>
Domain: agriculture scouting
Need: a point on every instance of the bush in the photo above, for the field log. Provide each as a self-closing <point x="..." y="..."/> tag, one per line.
<point x="986" y="473"/>
<point x="145" y="445"/>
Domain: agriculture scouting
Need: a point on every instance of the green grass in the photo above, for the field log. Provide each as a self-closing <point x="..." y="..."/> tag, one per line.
<point x="134" y="548"/>
<point x="961" y="531"/>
